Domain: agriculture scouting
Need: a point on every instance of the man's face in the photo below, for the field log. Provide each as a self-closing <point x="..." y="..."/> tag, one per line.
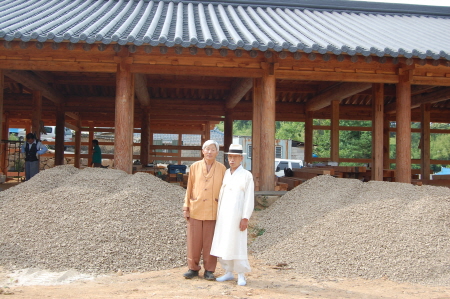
<point x="210" y="152"/>
<point x="31" y="140"/>
<point x="235" y="161"/>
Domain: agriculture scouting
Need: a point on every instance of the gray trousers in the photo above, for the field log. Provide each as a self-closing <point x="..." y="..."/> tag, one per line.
<point x="31" y="169"/>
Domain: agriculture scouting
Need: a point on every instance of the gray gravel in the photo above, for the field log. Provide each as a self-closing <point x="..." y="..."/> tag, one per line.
<point x="92" y="220"/>
<point x="332" y="227"/>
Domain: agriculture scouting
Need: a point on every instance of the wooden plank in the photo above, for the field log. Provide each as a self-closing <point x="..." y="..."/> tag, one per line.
<point x="197" y="71"/>
<point x="441" y="177"/>
<point x="314" y="170"/>
<point x="339" y="77"/>
<point x="291" y="182"/>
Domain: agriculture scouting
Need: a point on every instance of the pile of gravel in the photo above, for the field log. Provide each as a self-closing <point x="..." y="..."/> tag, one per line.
<point x="92" y="220"/>
<point x="346" y="228"/>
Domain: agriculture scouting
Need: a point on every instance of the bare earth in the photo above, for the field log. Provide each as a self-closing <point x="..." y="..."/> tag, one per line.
<point x="264" y="281"/>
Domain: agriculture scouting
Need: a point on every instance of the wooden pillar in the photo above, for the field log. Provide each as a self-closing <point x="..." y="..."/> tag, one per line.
<point x="267" y="168"/>
<point x="145" y="134"/>
<point x="3" y="136"/>
<point x="207" y="131"/>
<point x="256" y="132"/>
<point x="425" y="165"/>
<point x="77" y="162"/>
<point x="4" y="146"/>
<point x="2" y="99"/>
<point x="386" y="143"/>
<point x="309" y="143"/>
<point x="334" y="131"/>
<point x="90" y="148"/>
<point x="59" y="136"/>
<point x="228" y="137"/>
<point x="124" y="113"/>
<point x="403" y="120"/>
<point x="37" y="113"/>
<point x="377" y="131"/>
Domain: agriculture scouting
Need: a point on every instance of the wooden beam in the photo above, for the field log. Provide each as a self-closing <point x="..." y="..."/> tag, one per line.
<point x="337" y="93"/>
<point x="334" y="134"/>
<point x="417" y="100"/>
<point x="196" y="71"/>
<point x="59" y="135"/>
<point x="2" y="99"/>
<point x="309" y="137"/>
<point x="77" y="161"/>
<point x="34" y="83"/>
<point x="145" y="135"/>
<point x="425" y="154"/>
<point x="140" y="88"/>
<point x="403" y="119"/>
<point x="36" y="113"/>
<point x="430" y="98"/>
<point x="377" y="131"/>
<point x="228" y="134"/>
<point x="239" y="88"/>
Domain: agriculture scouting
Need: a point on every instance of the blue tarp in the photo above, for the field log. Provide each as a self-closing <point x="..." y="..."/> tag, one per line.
<point x="444" y="170"/>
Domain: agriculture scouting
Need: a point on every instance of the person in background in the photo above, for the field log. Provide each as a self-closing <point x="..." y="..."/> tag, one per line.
<point x="200" y="210"/>
<point x="236" y="203"/>
<point x="32" y="148"/>
<point x="97" y="154"/>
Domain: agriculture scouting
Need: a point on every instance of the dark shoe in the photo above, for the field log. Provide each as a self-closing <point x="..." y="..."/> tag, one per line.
<point x="209" y="275"/>
<point x="190" y="274"/>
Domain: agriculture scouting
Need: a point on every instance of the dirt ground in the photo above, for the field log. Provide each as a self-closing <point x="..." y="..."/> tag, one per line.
<point x="264" y="281"/>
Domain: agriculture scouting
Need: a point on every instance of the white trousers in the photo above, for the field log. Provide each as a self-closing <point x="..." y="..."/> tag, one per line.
<point x="239" y="266"/>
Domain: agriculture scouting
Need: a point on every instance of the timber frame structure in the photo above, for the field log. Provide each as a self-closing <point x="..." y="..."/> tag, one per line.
<point x="179" y="81"/>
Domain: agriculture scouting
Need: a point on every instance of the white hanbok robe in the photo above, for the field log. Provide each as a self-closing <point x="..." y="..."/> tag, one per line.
<point x="236" y="202"/>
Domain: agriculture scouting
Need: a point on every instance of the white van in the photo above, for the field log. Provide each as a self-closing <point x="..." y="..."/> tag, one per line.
<point x="282" y="164"/>
<point x="50" y="135"/>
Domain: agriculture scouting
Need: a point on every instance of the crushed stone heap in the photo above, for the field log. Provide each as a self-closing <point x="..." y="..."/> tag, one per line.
<point x="329" y="227"/>
<point x="92" y="220"/>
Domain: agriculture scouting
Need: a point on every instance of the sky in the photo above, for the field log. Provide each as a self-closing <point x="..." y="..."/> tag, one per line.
<point x="420" y="2"/>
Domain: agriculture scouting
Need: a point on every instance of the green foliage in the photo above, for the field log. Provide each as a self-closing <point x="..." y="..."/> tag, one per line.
<point x="13" y="137"/>
<point x="290" y="130"/>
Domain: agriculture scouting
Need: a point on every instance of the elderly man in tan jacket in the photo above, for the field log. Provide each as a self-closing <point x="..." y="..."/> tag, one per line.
<point x="200" y="210"/>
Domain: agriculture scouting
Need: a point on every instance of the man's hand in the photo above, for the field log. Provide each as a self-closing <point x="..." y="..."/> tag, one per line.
<point x="186" y="215"/>
<point x="244" y="224"/>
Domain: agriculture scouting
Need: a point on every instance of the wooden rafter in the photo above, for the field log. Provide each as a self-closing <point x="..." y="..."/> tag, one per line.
<point x="337" y="93"/>
<point x="239" y="88"/>
<point x="34" y="83"/>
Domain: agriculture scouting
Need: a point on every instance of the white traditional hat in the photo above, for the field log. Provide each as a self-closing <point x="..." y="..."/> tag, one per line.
<point x="235" y="149"/>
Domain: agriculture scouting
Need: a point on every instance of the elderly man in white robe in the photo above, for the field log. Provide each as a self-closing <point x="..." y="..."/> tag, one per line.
<point x="236" y="203"/>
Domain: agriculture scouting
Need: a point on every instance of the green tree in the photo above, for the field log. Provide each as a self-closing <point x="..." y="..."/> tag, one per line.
<point x="290" y="130"/>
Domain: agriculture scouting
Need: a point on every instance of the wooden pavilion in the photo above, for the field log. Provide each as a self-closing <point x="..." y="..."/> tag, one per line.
<point x="183" y="66"/>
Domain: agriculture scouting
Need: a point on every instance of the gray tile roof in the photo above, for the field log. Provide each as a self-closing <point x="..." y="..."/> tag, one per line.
<point x="282" y="26"/>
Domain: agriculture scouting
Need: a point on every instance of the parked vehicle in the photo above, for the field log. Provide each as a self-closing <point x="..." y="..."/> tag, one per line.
<point x="282" y="164"/>
<point x="50" y="135"/>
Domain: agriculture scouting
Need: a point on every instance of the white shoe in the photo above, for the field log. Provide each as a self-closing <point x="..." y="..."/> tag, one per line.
<point x="241" y="280"/>
<point x="227" y="276"/>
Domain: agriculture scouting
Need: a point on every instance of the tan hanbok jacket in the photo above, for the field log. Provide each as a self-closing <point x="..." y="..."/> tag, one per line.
<point x="203" y="188"/>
